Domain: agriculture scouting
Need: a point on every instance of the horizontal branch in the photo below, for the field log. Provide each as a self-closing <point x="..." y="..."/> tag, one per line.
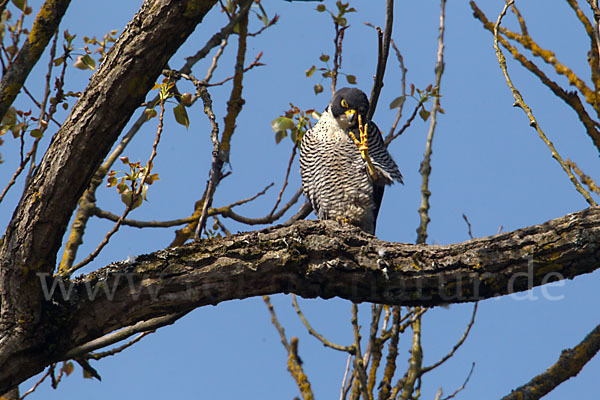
<point x="325" y="259"/>
<point x="314" y="259"/>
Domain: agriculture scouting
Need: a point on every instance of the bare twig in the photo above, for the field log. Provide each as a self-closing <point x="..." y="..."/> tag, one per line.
<point x="135" y="196"/>
<point x="326" y="343"/>
<point x="112" y="338"/>
<point x="390" y="364"/>
<point x="338" y="40"/>
<point x="426" y="163"/>
<point x="285" y="181"/>
<point x="42" y="125"/>
<point x="468" y="226"/>
<point x="456" y="346"/>
<point x="116" y="350"/>
<point x="569" y="97"/>
<point x="39" y="382"/>
<point x="360" y="375"/>
<point x="254" y="63"/>
<point x="463" y="386"/>
<point x="221" y="149"/>
<point x="519" y="102"/>
<point x="585" y="179"/>
<point x="217" y="163"/>
<point x="344" y="388"/>
<point x="384" y="51"/>
<point x="414" y="365"/>
<point x="175" y="222"/>
<point x="294" y="362"/>
<point x="391" y="136"/>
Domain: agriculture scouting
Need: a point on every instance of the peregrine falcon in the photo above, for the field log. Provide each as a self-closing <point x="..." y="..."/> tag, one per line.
<point x="344" y="177"/>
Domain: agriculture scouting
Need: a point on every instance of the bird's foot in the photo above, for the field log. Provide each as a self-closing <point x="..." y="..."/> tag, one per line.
<point x="363" y="147"/>
<point x="342" y="220"/>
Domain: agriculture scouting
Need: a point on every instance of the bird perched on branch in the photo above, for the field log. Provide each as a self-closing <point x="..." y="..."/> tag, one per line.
<point x="344" y="163"/>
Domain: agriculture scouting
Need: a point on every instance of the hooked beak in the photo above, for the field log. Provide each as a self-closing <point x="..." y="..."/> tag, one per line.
<point x="350" y="116"/>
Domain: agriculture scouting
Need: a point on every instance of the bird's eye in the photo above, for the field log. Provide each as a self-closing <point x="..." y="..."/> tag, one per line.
<point x="344" y="103"/>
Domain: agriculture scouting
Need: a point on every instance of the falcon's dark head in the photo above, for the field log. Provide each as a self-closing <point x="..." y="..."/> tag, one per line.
<point x="347" y="104"/>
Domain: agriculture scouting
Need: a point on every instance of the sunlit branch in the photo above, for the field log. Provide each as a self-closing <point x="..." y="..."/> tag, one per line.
<point x="383" y="52"/>
<point x="321" y="338"/>
<point x="519" y="102"/>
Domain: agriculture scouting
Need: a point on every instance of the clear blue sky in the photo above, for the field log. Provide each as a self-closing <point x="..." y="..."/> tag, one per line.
<point x="487" y="163"/>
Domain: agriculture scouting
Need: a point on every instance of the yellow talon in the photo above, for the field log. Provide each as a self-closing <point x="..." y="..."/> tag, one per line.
<point x="363" y="147"/>
<point x="343" y="220"/>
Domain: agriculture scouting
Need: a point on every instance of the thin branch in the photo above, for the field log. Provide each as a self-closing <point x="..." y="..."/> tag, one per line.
<point x="519" y="102"/>
<point x="400" y="107"/>
<point x="338" y="40"/>
<point x="360" y="375"/>
<point x="42" y="126"/>
<point x="569" y="97"/>
<point x="88" y="199"/>
<point x="390" y="363"/>
<point x="285" y="181"/>
<point x="221" y="149"/>
<point x="116" y="350"/>
<point x="456" y="346"/>
<point x="254" y="63"/>
<point x="391" y="136"/>
<point x="217" y="163"/>
<point x="294" y="362"/>
<point x="416" y="358"/>
<point x="134" y="198"/>
<point x="384" y="51"/>
<point x="326" y="343"/>
<point x="344" y="388"/>
<point x="426" y="163"/>
<point x="39" y="382"/>
<point x="464" y="385"/>
<point x="468" y="226"/>
<point x="585" y="179"/>
<point x="175" y="222"/>
<point x="112" y="338"/>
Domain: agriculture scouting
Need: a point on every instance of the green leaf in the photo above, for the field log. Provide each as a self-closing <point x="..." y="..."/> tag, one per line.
<point x="282" y="124"/>
<point x="85" y="62"/>
<point x="20" y="4"/>
<point x="424" y="114"/>
<point x="321" y="8"/>
<point x="351" y="79"/>
<point x="397" y="102"/>
<point x="324" y="57"/>
<point x="181" y="115"/>
<point x="318" y="88"/>
<point x="89" y="62"/>
<point x="310" y="71"/>
<point x="36" y="133"/>
<point x="279" y="136"/>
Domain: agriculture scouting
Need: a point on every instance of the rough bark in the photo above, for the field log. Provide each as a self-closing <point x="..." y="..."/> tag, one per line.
<point x="34" y="234"/>
<point x="311" y="259"/>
